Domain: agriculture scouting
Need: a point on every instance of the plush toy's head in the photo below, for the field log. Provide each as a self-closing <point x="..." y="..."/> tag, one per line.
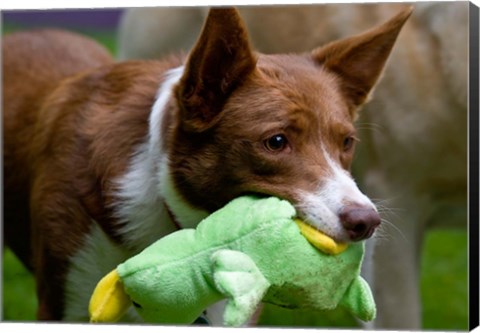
<point x="251" y="250"/>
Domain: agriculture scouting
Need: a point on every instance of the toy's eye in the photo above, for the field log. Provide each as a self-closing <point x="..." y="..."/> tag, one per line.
<point x="135" y="304"/>
<point x="348" y="143"/>
<point x="276" y="143"/>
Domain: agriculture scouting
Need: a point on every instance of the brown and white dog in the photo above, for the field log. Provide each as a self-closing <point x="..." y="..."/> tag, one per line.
<point x="413" y="151"/>
<point x="103" y="158"/>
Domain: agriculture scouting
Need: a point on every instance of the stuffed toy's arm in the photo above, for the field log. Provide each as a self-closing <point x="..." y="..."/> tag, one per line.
<point x="238" y="278"/>
<point x="359" y="300"/>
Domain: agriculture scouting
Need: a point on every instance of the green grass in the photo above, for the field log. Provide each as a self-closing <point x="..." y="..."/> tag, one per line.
<point x="444" y="280"/>
<point x="443" y="285"/>
<point x="19" y="301"/>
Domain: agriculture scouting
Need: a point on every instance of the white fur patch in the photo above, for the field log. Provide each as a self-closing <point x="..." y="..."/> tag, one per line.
<point x="141" y="210"/>
<point x="155" y="121"/>
<point x="147" y="184"/>
<point x="187" y="216"/>
<point x="322" y="208"/>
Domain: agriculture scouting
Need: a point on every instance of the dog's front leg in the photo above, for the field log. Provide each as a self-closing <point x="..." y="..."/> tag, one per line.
<point x="59" y="224"/>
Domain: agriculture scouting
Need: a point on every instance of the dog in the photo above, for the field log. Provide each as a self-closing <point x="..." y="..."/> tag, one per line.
<point x="103" y="158"/>
<point x="413" y="151"/>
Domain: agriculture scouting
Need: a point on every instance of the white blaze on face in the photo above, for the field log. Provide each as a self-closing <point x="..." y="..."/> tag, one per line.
<point x="321" y="208"/>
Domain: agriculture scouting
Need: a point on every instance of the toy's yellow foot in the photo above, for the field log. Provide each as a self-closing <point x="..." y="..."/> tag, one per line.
<point x="320" y="240"/>
<point x="109" y="301"/>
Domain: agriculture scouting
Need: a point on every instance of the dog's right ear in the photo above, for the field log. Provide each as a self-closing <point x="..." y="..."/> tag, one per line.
<point x="359" y="60"/>
<point x="221" y="59"/>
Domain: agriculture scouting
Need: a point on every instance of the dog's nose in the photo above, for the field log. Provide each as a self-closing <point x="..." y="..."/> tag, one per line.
<point x="359" y="222"/>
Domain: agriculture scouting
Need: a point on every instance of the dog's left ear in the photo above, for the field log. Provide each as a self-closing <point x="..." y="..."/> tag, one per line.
<point x="359" y="60"/>
<point x="220" y="60"/>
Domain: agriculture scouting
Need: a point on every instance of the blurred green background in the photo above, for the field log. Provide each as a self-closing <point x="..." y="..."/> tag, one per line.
<point x="444" y="286"/>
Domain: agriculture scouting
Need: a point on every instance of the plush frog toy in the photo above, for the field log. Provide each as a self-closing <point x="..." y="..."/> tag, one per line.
<point x="253" y="250"/>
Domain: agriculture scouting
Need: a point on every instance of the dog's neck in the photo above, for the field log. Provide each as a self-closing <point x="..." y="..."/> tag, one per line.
<point x="147" y="195"/>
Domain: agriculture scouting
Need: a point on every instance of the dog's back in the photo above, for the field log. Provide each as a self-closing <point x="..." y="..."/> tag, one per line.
<point x="31" y="71"/>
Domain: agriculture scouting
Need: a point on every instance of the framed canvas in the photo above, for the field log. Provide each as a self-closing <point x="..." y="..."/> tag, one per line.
<point x="416" y="159"/>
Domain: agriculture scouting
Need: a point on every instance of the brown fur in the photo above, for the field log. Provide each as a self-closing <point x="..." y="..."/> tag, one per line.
<point x="230" y="158"/>
<point x="63" y="146"/>
<point x="72" y="120"/>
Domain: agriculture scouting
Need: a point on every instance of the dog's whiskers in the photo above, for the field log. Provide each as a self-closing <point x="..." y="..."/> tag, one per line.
<point x="382" y="235"/>
<point x="390" y="212"/>
<point x="387" y="211"/>
<point x="382" y="201"/>
<point x="369" y="127"/>
<point x="385" y="223"/>
<point x="386" y="214"/>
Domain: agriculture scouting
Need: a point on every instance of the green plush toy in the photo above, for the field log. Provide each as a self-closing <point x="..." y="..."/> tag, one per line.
<point x="251" y="251"/>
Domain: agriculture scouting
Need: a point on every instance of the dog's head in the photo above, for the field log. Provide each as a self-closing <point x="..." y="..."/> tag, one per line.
<point x="278" y="125"/>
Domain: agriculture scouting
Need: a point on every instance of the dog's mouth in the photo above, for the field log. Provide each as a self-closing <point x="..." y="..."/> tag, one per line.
<point x="320" y="240"/>
<point x="328" y="229"/>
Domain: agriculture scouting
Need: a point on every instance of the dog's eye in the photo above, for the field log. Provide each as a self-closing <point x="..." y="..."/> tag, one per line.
<point x="276" y="143"/>
<point x="349" y="142"/>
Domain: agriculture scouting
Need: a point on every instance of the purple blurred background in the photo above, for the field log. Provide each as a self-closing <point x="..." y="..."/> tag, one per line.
<point x="76" y="19"/>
